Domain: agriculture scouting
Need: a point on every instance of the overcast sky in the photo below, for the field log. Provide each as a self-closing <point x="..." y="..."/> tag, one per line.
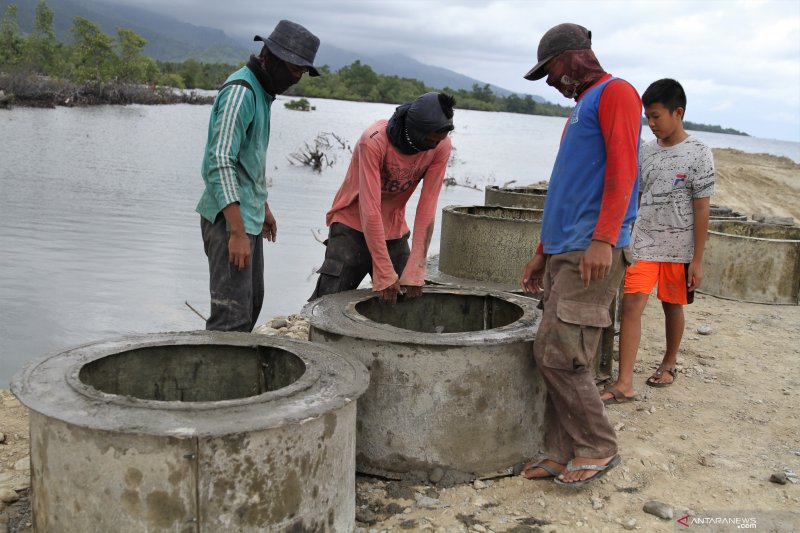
<point x="739" y="60"/>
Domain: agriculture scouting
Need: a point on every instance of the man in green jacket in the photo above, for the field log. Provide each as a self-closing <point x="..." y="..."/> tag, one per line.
<point x="233" y="208"/>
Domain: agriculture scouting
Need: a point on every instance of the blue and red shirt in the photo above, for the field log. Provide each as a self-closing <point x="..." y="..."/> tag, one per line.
<point x="593" y="188"/>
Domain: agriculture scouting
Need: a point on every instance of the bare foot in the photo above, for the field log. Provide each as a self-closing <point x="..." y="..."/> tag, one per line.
<point x="580" y="475"/>
<point x="539" y="472"/>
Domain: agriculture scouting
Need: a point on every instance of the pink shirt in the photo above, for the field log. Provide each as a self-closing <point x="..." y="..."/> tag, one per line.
<point x="373" y="199"/>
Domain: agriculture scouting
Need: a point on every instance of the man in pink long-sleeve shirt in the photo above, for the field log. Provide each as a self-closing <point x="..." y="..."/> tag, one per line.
<point x="368" y="231"/>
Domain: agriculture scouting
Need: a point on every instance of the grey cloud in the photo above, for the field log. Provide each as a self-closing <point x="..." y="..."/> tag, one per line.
<point x="496" y="41"/>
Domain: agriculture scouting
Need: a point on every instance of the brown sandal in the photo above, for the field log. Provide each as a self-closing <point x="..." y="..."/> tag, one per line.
<point x="616" y="396"/>
<point x="657" y="375"/>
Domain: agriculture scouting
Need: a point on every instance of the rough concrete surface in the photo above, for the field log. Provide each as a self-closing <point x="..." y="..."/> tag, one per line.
<point x="721" y="212"/>
<point x="488" y="243"/>
<point x="531" y="197"/>
<point x="185" y="448"/>
<point x="753" y="262"/>
<point x="453" y="386"/>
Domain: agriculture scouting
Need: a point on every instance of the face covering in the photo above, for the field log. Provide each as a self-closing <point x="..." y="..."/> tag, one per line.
<point x="396" y="129"/>
<point x="273" y="74"/>
<point x="412" y="122"/>
<point x="574" y="71"/>
<point x="565" y="85"/>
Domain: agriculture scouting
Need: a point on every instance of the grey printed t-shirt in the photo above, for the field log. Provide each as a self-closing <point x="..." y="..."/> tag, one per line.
<point x="670" y="178"/>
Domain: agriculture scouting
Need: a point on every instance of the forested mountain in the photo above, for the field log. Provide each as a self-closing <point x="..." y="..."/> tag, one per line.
<point x="169" y="39"/>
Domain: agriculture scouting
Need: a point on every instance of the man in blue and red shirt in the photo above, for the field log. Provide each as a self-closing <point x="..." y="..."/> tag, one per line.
<point x="580" y="261"/>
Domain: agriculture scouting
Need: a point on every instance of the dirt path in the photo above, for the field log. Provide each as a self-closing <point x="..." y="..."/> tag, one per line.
<point x="705" y="446"/>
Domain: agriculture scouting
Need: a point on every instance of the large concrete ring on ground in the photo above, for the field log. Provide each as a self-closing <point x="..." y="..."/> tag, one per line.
<point x="487" y="243"/>
<point x="193" y="432"/>
<point x="487" y="247"/>
<point x="720" y="212"/>
<point x="605" y="352"/>
<point x="434" y="276"/>
<point x="752" y="262"/>
<point x="528" y="197"/>
<point x="454" y="390"/>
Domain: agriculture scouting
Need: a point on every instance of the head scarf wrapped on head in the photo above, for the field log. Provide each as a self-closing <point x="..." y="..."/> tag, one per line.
<point x="414" y="121"/>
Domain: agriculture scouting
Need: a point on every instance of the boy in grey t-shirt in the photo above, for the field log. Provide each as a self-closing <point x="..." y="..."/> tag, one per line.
<point x="677" y="181"/>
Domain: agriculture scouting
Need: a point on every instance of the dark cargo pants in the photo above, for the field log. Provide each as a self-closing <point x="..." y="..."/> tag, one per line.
<point x="576" y="424"/>
<point x="236" y="296"/>
<point x="348" y="261"/>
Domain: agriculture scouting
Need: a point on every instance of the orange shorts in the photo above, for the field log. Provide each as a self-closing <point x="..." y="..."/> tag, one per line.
<point x="671" y="279"/>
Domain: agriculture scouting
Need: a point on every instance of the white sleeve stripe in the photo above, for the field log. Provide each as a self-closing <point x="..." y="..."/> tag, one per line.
<point x="229" y="112"/>
<point x="240" y="96"/>
<point x="219" y="152"/>
<point x="227" y="139"/>
<point x="232" y="106"/>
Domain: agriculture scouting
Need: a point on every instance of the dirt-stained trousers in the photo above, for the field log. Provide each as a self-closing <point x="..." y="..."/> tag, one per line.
<point x="348" y="260"/>
<point x="236" y="295"/>
<point x="576" y="424"/>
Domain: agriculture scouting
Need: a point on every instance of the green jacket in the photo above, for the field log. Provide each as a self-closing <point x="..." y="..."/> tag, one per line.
<point x="234" y="163"/>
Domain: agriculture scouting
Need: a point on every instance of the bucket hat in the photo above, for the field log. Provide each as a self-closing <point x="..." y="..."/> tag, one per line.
<point x="294" y="44"/>
<point x="556" y="40"/>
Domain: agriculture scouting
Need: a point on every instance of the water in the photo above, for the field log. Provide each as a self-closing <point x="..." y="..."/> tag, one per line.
<point x="99" y="235"/>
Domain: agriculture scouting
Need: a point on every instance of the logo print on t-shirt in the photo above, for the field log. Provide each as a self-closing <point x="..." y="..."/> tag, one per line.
<point x="398" y="179"/>
<point x="576" y="113"/>
<point x="679" y="181"/>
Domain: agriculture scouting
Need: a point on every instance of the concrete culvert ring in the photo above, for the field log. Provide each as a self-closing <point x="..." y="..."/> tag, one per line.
<point x="455" y="393"/>
<point x="453" y="313"/>
<point x="733" y="216"/>
<point x="528" y="197"/>
<point x="185" y="377"/>
<point x="485" y="246"/>
<point x="198" y="431"/>
<point x="721" y="212"/>
<point x="752" y="262"/>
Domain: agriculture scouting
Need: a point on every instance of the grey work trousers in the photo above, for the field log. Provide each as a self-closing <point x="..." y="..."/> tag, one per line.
<point x="576" y="424"/>
<point x="236" y="295"/>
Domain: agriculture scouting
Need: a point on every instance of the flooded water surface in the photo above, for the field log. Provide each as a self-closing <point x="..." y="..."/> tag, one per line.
<point x="99" y="234"/>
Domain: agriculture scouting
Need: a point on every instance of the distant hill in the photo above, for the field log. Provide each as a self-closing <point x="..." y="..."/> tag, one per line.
<point x="696" y="126"/>
<point x="169" y="39"/>
<point x="405" y="67"/>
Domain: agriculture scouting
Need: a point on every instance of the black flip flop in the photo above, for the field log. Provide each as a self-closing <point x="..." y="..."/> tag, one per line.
<point x="600" y="469"/>
<point x="521" y="467"/>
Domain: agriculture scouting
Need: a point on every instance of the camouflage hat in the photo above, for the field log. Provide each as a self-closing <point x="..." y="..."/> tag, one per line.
<point x="559" y="39"/>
